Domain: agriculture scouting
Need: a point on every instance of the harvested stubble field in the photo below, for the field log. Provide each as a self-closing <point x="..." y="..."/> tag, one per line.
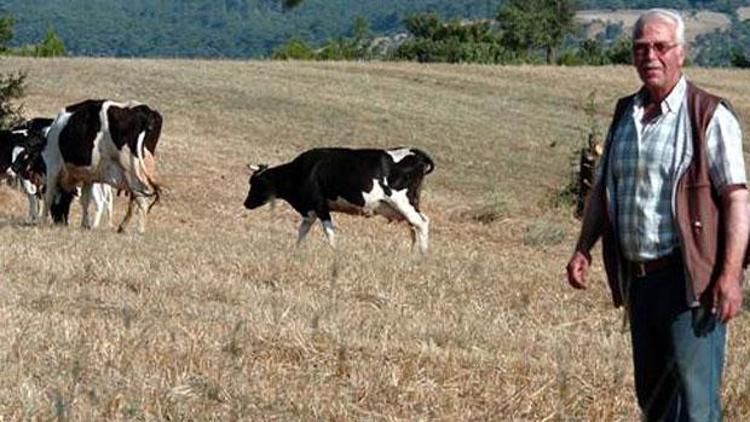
<point x="215" y="315"/>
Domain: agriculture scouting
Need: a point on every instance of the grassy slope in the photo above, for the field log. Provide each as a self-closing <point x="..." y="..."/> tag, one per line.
<point x="214" y="314"/>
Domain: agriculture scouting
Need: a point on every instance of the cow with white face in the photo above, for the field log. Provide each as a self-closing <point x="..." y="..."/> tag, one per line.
<point x="363" y="182"/>
<point x="12" y="143"/>
<point x="102" y="141"/>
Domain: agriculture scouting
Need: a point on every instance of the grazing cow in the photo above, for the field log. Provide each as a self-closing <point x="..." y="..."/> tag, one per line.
<point x="32" y="174"/>
<point x="11" y="144"/>
<point x="101" y="141"/>
<point x="353" y="181"/>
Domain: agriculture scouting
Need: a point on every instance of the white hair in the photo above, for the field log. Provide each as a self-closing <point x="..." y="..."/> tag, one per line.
<point x="663" y="14"/>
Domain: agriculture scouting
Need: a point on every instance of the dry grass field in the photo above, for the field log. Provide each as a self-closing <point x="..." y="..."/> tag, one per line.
<point x="215" y="315"/>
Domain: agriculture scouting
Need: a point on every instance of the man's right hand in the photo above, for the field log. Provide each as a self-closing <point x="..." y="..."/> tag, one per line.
<point x="578" y="269"/>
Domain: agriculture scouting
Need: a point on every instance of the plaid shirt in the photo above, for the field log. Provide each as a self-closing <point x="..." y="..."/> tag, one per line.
<point x="644" y="166"/>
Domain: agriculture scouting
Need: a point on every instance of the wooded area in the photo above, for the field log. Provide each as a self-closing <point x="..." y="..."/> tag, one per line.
<point x="257" y="28"/>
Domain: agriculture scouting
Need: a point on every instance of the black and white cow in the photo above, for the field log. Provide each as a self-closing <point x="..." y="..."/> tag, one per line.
<point x="353" y="181"/>
<point x="12" y="142"/>
<point x="102" y="141"/>
<point x="32" y="177"/>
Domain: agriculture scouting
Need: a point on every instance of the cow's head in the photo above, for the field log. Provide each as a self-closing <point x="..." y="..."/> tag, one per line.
<point x="262" y="188"/>
<point x="27" y="156"/>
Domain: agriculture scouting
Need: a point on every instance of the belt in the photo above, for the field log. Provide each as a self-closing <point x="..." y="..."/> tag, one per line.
<point x="642" y="269"/>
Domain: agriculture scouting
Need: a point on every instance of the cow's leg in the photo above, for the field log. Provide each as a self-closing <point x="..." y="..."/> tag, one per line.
<point x="325" y="219"/>
<point x="86" y="194"/>
<point x="102" y="195"/>
<point x="128" y="214"/>
<point x="305" y="226"/>
<point x="419" y="222"/>
<point x="143" y="203"/>
<point x="33" y="208"/>
<point x="39" y="209"/>
<point x="31" y="195"/>
<point x="109" y="203"/>
<point x="50" y="192"/>
<point x="52" y="189"/>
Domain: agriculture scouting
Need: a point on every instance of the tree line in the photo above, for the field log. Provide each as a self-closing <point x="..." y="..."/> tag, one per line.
<point x="13" y="85"/>
<point x="255" y="28"/>
<point x="521" y="31"/>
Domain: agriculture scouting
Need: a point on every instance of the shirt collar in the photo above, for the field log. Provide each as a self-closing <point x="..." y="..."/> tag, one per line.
<point x="672" y="102"/>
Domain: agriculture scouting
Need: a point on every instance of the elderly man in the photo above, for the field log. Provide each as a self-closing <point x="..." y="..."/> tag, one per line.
<point x="670" y="203"/>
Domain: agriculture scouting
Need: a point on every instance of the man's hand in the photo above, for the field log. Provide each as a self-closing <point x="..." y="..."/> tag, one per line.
<point x="578" y="269"/>
<point x="727" y="298"/>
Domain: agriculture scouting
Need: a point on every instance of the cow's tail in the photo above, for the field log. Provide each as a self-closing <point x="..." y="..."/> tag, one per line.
<point x="425" y="161"/>
<point x="143" y="155"/>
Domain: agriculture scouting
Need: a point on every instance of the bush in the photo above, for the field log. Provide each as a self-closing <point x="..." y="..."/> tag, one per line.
<point x="51" y="46"/>
<point x="295" y="49"/>
<point x="12" y="87"/>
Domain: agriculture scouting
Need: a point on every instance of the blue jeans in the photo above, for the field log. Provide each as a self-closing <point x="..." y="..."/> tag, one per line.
<point x="678" y="351"/>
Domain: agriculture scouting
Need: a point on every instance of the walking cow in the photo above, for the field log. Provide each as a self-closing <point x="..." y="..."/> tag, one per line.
<point x="353" y="181"/>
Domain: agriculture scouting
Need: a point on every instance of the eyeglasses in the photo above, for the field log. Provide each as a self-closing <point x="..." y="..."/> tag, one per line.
<point x="660" y="47"/>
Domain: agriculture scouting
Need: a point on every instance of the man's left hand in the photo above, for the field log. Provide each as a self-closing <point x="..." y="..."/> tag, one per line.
<point x="727" y="298"/>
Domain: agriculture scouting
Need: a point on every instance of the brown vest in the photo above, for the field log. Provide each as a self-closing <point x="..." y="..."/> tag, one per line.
<point x="697" y="208"/>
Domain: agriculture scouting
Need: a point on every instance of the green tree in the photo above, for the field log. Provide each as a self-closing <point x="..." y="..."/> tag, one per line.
<point x="6" y="32"/>
<point x="621" y="51"/>
<point x="738" y="58"/>
<point x="12" y="87"/>
<point x="361" y="29"/>
<point x="295" y="49"/>
<point x="51" y="46"/>
<point x="290" y="4"/>
<point x="530" y="25"/>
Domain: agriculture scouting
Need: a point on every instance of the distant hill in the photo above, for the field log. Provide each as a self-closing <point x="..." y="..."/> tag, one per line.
<point x="696" y="22"/>
<point x="212" y="28"/>
<point x="252" y="28"/>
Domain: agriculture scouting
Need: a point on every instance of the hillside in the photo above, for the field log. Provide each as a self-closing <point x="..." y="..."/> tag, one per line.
<point x="252" y="28"/>
<point x="214" y="315"/>
<point x="696" y="23"/>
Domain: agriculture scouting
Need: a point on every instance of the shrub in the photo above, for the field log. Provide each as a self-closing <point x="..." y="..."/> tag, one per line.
<point x="12" y="87"/>
<point x="295" y="49"/>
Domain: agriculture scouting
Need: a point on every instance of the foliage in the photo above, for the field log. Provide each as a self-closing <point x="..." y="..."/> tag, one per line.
<point x="208" y="28"/>
<point x="621" y="52"/>
<point x="51" y="46"/>
<point x="723" y="48"/>
<point x="452" y="42"/>
<point x="583" y="161"/>
<point x="256" y="28"/>
<point x="290" y="4"/>
<point x="12" y="87"/>
<point x="295" y="49"/>
<point x="355" y="48"/>
<point x="6" y="32"/>
<point x="739" y="59"/>
<point x="724" y="6"/>
<point x="593" y="52"/>
<point x="529" y="25"/>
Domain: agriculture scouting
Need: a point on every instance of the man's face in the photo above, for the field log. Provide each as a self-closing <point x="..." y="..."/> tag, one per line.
<point x="657" y="56"/>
